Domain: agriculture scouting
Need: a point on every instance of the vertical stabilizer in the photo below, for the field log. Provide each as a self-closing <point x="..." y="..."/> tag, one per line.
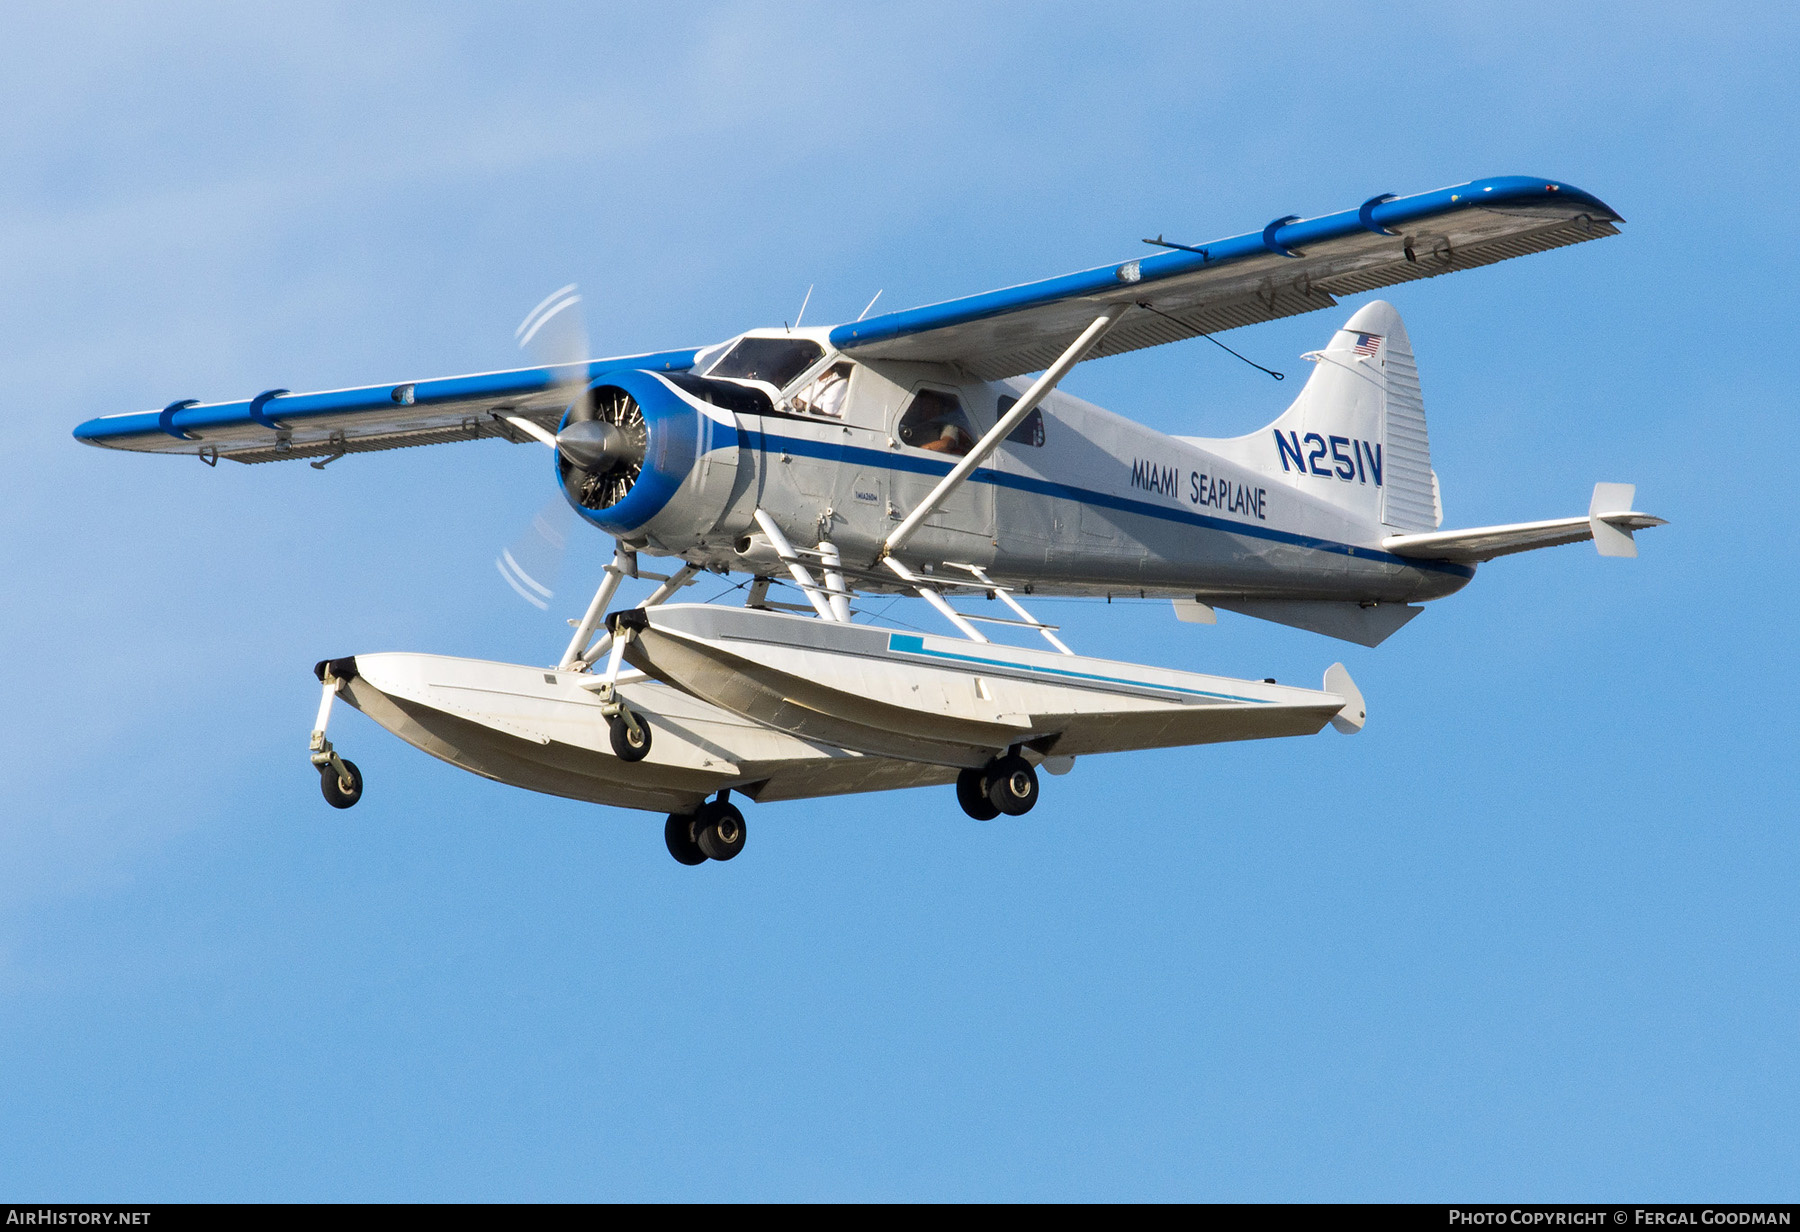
<point x="1356" y="434"/>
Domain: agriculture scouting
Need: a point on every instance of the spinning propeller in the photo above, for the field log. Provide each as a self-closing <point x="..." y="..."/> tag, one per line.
<point x="600" y="452"/>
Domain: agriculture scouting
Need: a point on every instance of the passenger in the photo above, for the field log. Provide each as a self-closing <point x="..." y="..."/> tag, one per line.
<point x="951" y="440"/>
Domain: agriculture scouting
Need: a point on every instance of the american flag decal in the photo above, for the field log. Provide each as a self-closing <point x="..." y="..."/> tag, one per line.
<point x="1367" y="344"/>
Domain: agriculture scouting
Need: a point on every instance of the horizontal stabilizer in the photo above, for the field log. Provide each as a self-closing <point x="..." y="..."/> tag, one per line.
<point x="1348" y="622"/>
<point x="1609" y="523"/>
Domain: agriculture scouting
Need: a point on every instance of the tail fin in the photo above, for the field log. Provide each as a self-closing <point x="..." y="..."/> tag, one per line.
<point x="1356" y="434"/>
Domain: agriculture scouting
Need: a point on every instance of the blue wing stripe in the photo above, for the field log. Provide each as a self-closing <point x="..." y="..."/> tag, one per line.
<point x="288" y="408"/>
<point x="1393" y="213"/>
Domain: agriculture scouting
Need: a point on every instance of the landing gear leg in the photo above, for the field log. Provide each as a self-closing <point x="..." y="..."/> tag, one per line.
<point x="339" y="779"/>
<point x="630" y="731"/>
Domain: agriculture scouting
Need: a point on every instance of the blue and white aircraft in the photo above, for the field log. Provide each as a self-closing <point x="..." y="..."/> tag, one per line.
<point x="931" y="452"/>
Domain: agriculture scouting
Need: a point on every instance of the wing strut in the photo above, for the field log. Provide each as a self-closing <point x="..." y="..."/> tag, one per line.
<point x="530" y="429"/>
<point x="1007" y="422"/>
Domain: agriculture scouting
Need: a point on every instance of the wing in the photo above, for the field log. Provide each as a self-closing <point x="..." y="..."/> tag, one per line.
<point x="1289" y="267"/>
<point x="278" y="425"/>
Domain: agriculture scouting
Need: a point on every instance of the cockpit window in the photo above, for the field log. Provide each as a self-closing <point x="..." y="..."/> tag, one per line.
<point x="936" y="421"/>
<point x="824" y="394"/>
<point x="775" y="360"/>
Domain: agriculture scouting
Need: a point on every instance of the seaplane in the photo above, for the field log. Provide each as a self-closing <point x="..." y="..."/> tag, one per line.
<point x="931" y="453"/>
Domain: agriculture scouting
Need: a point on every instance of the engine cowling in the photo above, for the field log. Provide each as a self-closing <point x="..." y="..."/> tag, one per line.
<point x="640" y="457"/>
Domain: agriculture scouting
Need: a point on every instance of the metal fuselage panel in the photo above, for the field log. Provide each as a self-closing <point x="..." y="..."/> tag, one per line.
<point x="1102" y="505"/>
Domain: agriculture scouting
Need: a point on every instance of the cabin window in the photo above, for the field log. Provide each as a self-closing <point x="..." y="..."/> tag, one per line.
<point x="1030" y="430"/>
<point x="824" y="394"/>
<point x="775" y="360"/>
<point x="936" y="421"/>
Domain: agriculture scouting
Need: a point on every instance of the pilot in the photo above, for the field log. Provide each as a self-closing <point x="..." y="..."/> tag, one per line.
<point x="829" y="400"/>
<point x="825" y="396"/>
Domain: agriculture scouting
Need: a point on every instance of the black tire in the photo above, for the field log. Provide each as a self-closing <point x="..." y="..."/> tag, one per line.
<point x="678" y="833"/>
<point x="335" y="795"/>
<point x="624" y="743"/>
<point x="719" y="830"/>
<point x="971" y="793"/>
<point x="1012" y="785"/>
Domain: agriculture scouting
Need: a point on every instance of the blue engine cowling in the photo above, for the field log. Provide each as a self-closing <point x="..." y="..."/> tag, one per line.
<point x="680" y="485"/>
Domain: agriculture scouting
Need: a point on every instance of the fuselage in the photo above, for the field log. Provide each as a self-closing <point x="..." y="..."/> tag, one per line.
<point x="1077" y="500"/>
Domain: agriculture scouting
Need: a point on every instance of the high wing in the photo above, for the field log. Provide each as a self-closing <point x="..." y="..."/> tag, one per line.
<point x="277" y="425"/>
<point x="1290" y="266"/>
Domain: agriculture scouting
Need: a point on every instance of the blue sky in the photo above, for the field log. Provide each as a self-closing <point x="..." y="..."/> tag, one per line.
<point x="1532" y="935"/>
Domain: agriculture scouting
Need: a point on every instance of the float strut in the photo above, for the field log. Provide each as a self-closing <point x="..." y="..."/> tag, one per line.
<point x="322" y="753"/>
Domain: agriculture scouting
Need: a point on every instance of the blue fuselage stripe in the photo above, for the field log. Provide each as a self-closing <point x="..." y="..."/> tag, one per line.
<point x="833" y="452"/>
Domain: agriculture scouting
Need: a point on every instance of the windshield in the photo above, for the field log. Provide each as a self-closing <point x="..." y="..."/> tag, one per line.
<point x="775" y="360"/>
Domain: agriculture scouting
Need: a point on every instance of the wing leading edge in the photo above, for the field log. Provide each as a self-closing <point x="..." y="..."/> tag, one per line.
<point x="278" y="425"/>
<point x="1289" y="267"/>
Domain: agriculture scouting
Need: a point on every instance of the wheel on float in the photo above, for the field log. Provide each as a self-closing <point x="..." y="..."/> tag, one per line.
<point x="971" y="793"/>
<point x="678" y="833"/>
<point x="719" y="830"/>
<point x="630" y="745"/>
<point x="1012" y="785"/>
<point x="337" y="795"/>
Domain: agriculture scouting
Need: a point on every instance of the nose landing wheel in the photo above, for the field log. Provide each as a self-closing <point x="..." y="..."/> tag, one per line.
<point x="342" y="788"/>
<point x="630" y="733"/>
